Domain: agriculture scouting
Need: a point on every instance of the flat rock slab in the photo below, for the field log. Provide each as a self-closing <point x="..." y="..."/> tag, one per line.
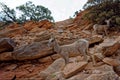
<point x="73" y="68"/>
<point x="112" y="62"/>
<point x="108" y="42"/>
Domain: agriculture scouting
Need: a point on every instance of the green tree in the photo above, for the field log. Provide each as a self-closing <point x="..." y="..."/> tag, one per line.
<point x="7" y="14"/>
<point x="28" y="11"/>
<point x="32" y="12"/>
<point x="75" y="14"/>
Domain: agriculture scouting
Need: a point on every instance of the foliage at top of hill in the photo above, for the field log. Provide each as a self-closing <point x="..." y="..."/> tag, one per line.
<point x="28" y="11"/>
<point x="97" y="11"/>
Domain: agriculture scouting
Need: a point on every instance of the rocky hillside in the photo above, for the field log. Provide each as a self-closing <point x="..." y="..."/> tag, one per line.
<point x="25" y="55"/>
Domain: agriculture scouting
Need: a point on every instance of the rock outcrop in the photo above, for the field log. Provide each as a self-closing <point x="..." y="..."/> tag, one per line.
<point x="13" y="32"/>
<point x="73" y="68"/>
<point x="24" y="53"/>
<point x="32" y="51"/>
<point x="33" y="24"/>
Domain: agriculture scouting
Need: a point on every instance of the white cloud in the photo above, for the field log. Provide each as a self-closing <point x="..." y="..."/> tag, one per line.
<point x="61" y="9"/>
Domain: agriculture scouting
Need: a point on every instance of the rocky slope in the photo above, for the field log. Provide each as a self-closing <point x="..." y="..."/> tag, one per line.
<point x="25" y="55"/>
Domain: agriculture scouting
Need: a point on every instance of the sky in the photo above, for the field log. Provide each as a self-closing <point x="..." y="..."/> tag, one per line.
<point x="61" y="9"/>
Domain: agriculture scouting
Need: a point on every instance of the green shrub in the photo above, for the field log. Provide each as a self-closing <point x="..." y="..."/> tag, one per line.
<point x="101" y="11"/>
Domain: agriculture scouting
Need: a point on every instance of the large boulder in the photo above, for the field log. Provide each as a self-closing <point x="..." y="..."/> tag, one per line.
<point x="56" y="66"/>
<point x="6" y="45"/>
<point x="32" y="51"/>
